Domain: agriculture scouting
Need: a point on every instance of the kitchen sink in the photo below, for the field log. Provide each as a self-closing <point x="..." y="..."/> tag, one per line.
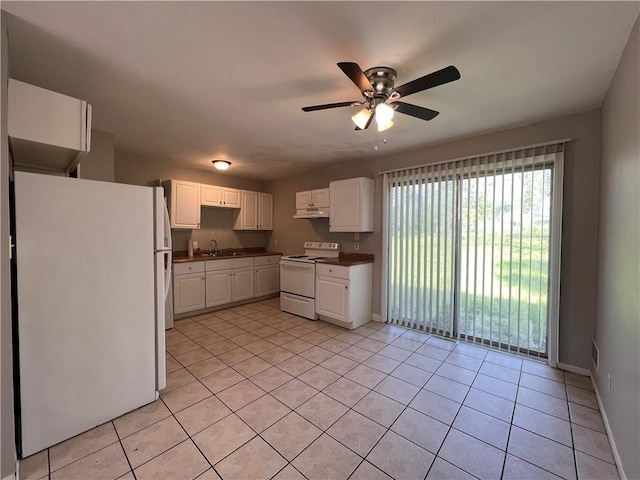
<point x="221" y="255"/>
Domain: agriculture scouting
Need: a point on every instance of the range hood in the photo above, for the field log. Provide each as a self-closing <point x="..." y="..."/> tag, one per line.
<point x="48" y="131"/>
<point x="312" y="212"/>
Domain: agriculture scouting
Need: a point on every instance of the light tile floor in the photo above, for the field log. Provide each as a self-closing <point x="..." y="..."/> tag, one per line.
<point x="255" y="393"/>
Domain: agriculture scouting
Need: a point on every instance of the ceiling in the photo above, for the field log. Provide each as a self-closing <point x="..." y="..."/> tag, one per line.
<point x="186" y="82"/>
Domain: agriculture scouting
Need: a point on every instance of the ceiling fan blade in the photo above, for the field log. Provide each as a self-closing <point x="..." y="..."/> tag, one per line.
<point x="356" y="75"/>
<point x="446" y="75"/>
<point x="329" y="105"/>
<point x="415" y="111"/>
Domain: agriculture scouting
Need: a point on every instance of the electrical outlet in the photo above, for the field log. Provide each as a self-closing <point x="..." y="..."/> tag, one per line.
<point x="195" y="244"/>
<point x="609" y="383"/>
<point x="275" y="243"/>
<point x="356" y="236"/>
<point x="356" y="246"/>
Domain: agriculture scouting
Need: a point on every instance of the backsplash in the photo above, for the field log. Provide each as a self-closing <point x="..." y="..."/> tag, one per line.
<point x="218" y="223"/>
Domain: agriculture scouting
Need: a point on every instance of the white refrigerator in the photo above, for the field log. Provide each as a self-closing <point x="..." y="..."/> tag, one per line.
<point x="93" y="266"/>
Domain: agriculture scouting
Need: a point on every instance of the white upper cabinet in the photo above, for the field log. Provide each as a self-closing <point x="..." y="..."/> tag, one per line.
<point x="265" y="211"/>
<point x="183" y="199"/>
<point x="312" y="198"/>
<point x="256" y="212"/>
<point x="351" y="205"/>
<point x="38" y="119"/>
<point x="224" y="197"/>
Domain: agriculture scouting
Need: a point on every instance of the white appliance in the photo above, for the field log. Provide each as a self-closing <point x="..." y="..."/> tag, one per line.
<point x="93" y="263"/>
<point x="312" y="212"/>
<point x="298" y="278"/>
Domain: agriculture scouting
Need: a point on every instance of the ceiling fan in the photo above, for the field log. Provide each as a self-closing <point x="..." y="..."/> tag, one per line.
<point x="381" y="96"/>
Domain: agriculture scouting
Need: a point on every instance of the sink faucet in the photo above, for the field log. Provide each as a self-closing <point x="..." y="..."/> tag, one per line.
<point x="213" y="247"/>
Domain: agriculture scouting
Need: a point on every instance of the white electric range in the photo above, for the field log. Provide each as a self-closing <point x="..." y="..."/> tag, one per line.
<point x="298" y="278"/>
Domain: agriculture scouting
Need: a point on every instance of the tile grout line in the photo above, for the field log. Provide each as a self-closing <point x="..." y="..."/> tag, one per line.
<point x="123" y="450"/>
<point x="341" y="376"/>
<point x="513" y="414"/>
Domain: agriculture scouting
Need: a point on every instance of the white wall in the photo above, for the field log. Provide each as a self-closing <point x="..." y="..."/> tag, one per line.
<point x="99" y="163"/>
<point x="617" y="330"/>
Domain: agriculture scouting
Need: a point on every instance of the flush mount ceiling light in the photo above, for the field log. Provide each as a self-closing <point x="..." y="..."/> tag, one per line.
<point x="221" y="164"/>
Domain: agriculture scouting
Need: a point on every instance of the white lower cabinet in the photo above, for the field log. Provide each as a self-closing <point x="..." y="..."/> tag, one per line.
<point x="344" y="294"/>
<point x="267" y="279"/>
<point x="229" y="280"/>
<point x="211" y="283"/>
<point x="188" y="287"/>
<point x="332" y="298"/>
<point x="242" y="284"/>
<point x="218" y="288"/>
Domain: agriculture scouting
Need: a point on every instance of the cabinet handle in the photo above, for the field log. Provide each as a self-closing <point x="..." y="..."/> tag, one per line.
<point x="330" y="271"/>
<point x="202" y="278"/>
<point x="346" y="287"/>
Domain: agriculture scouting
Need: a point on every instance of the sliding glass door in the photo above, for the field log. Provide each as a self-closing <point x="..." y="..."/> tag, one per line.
<point x="422" y="266"/>
<point x="469" y="247"/>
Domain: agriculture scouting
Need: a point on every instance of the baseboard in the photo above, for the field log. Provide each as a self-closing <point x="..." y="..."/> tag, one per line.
<point x="607" y="427"/>
<point x="573" y="369"/>
<point x="376" y="318"/>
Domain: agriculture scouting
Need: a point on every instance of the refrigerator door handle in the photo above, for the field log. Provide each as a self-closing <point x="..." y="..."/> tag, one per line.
<point x="167" y="227"/>
<point x="167" y="272"/>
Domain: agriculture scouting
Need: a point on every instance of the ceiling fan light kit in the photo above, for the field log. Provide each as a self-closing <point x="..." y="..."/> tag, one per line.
<point x="380" y="96"/>
<point x="384" y="114"/>
<point x="384" y="126"/>
<point x="361" y="118"/>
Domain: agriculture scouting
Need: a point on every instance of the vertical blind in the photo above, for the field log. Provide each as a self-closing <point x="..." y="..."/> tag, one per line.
<point x="470" y="247"/>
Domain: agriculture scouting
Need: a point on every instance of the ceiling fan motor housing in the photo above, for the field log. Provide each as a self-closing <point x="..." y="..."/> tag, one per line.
<point x="382" y="79"/>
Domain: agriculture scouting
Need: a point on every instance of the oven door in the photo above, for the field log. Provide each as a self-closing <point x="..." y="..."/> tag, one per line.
<point x="298" y="278"/>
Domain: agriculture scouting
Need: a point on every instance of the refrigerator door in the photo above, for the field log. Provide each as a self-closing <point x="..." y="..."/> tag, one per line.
<point x="86" y="304"/>
<point x="163" y="260"/>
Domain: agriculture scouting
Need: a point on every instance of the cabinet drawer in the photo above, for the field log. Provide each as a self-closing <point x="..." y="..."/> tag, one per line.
<point x="190" y="267"/>
<point x="229" y="263"/>
<point x="267" y="260"/>
<point x="334" y="271"/>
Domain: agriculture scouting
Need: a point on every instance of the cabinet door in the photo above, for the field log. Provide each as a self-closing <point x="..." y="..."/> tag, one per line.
<point x="185" y="204"/>
<point x="303" y="200"/>
<point x="267" y="280"/>
<point x="231" y="198"/>
<point x="247" y="217"/>
<point x="351" y="205"/>
<point x="332" y="298"/>
<point x="188" y="292"/>
<point x="265" y="211"/>
<point x="210" y="195"/>
<point x="242" y="279"/>
<point x="320" y="198"/>
<point x="218" y="291"/>
<point x="346" y="206"/>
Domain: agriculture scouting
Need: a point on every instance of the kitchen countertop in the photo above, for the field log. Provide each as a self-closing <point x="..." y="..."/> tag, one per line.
<point x="181" y="257"/>
<point x="349" y="259"/>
